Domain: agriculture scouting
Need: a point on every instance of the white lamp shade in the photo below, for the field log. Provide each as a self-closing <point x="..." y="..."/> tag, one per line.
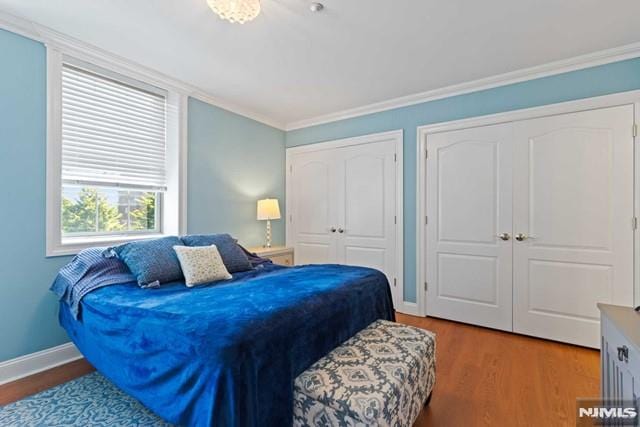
<point x="268" y="209"/>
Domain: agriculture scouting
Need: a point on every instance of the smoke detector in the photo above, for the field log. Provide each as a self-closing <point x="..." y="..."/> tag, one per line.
<point x="316" y="7"/>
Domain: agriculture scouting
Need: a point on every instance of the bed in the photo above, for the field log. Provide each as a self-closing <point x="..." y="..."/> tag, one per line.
<point x="225" y="354"/>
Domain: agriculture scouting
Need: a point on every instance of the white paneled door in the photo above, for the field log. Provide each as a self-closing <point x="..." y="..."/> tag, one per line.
<point x="573" y="211"/>
<point x="313" y="188"/>
<point x="531" y="223"/>
<point x="469" y="256"/>
<point x="343" y="203"/>
<point x="366" y="206"/>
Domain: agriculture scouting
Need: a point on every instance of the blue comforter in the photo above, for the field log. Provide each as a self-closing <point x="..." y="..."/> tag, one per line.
<point x="226" y="354"/>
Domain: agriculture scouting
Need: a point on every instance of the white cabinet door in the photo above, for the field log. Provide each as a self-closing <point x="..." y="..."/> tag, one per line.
<point x="313" y="184"/>
<point x="343" y="207"/>
<point x="620" y="365"/>
<point x="573" y="204"/>
<point x="366" y="202"/>
<point x="469" y="205"/>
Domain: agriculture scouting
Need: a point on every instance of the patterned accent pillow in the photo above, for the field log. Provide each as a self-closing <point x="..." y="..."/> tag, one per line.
<point x="232" y="254"/>
<point x="151" y="261"/>
<point x="201" y="264"/>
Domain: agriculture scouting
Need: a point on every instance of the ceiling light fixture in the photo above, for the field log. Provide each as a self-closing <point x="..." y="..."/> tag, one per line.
<point x="236" y="11"/>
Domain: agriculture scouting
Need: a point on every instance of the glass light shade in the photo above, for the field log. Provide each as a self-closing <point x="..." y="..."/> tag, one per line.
<point x="268" y="209"/>
<point x="239" y="11"/>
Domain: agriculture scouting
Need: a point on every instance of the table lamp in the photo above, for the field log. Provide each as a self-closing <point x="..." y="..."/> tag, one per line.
<point x="268" y="209"/>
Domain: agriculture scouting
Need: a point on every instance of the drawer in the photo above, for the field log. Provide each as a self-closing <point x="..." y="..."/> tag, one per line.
<point x="286" y="259"/>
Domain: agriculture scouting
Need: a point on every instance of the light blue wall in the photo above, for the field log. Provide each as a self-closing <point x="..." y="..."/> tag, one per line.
<point x="232" y="162"/>
<point x="28" y="311"/>
<point x="601" y="80"/>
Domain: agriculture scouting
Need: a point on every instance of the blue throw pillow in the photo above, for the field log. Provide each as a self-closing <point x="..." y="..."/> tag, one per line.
<point x="151" y="261"/>
<point x="232" y="254"/>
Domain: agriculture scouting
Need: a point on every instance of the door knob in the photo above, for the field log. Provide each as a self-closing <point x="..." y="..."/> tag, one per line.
<point x="333" y="229"/>
<point x="340" y="230"/>
<point x="520" y="237"/>
<point x="504" y="236"/>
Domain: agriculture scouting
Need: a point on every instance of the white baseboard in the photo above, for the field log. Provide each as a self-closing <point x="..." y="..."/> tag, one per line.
<point x="33" y="363"/>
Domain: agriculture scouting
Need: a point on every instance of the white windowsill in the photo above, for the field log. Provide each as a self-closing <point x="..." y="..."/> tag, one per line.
<point x="73" y="245"/>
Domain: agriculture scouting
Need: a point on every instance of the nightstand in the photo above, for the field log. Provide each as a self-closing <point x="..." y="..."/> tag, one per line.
<point x="281" y="255"/>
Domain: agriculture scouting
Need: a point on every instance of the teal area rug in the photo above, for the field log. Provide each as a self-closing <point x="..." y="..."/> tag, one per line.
<point x="90" y="400"/>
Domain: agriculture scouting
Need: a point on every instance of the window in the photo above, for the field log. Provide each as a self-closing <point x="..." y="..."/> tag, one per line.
<point x="110" y="137"/>
<point x="113" y="155"/>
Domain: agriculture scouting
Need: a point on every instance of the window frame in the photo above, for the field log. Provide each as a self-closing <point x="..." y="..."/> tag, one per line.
<point x="172" y="206"/>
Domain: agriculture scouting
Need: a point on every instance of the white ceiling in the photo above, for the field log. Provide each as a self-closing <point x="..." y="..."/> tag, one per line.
<point x="291" y="64"/>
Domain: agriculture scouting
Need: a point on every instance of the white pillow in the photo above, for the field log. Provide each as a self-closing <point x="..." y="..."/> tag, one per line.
<point x="201" y="264"/>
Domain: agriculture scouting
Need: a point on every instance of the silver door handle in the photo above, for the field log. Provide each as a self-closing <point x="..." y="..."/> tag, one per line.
<point x="521" y="236"/>
<point x="332" y="229"/>
<point x="504" y="236"/>
<point x="340" y="230"/>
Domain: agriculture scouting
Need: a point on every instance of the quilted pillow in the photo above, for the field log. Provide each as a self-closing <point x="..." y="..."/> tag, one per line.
<point x="151" y="261"/>
<point x="201" y="264"/>
<point x="232" y="254"/>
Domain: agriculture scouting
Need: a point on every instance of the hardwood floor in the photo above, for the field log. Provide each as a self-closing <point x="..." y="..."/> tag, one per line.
<point x="491" y="378"/>
<point x="484" y="378"/>
<point x="33" y="384"/>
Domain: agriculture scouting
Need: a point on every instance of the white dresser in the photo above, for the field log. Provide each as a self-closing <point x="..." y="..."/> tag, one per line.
<point x="620" y="352"/>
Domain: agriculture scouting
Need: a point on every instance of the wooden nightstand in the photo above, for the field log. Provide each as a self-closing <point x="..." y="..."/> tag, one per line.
<point x="281" y="255"/>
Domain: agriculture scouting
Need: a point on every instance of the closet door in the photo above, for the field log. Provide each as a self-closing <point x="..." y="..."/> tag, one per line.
<point x="314" y="178"/>
<point x="469" y="226"/>
<point x="573" y="209"/>
<point x="366" y="203"/>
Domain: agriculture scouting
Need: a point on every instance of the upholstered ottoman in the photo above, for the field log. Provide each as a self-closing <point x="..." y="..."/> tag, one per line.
<point x="381" y="377"/>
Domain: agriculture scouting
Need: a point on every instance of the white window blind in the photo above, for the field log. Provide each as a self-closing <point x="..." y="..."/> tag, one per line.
<point x="113" y="134"/>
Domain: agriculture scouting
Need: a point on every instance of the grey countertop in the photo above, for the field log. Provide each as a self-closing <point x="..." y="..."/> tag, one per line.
<point x="626" y="319"/>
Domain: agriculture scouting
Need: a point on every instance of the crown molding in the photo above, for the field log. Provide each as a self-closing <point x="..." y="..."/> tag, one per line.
<point x="210" y="99"/>
<point x="65" y="43"/>
<point x="74" y="47"/>
<point x="19" y="26"/>
<point x="552" y="68"/>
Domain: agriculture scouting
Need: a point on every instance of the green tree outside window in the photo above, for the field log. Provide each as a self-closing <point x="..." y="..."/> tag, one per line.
<point x="92" y="212"/>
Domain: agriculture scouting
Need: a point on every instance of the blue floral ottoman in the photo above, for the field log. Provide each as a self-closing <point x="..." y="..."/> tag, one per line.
<point x="381" y="377"/>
